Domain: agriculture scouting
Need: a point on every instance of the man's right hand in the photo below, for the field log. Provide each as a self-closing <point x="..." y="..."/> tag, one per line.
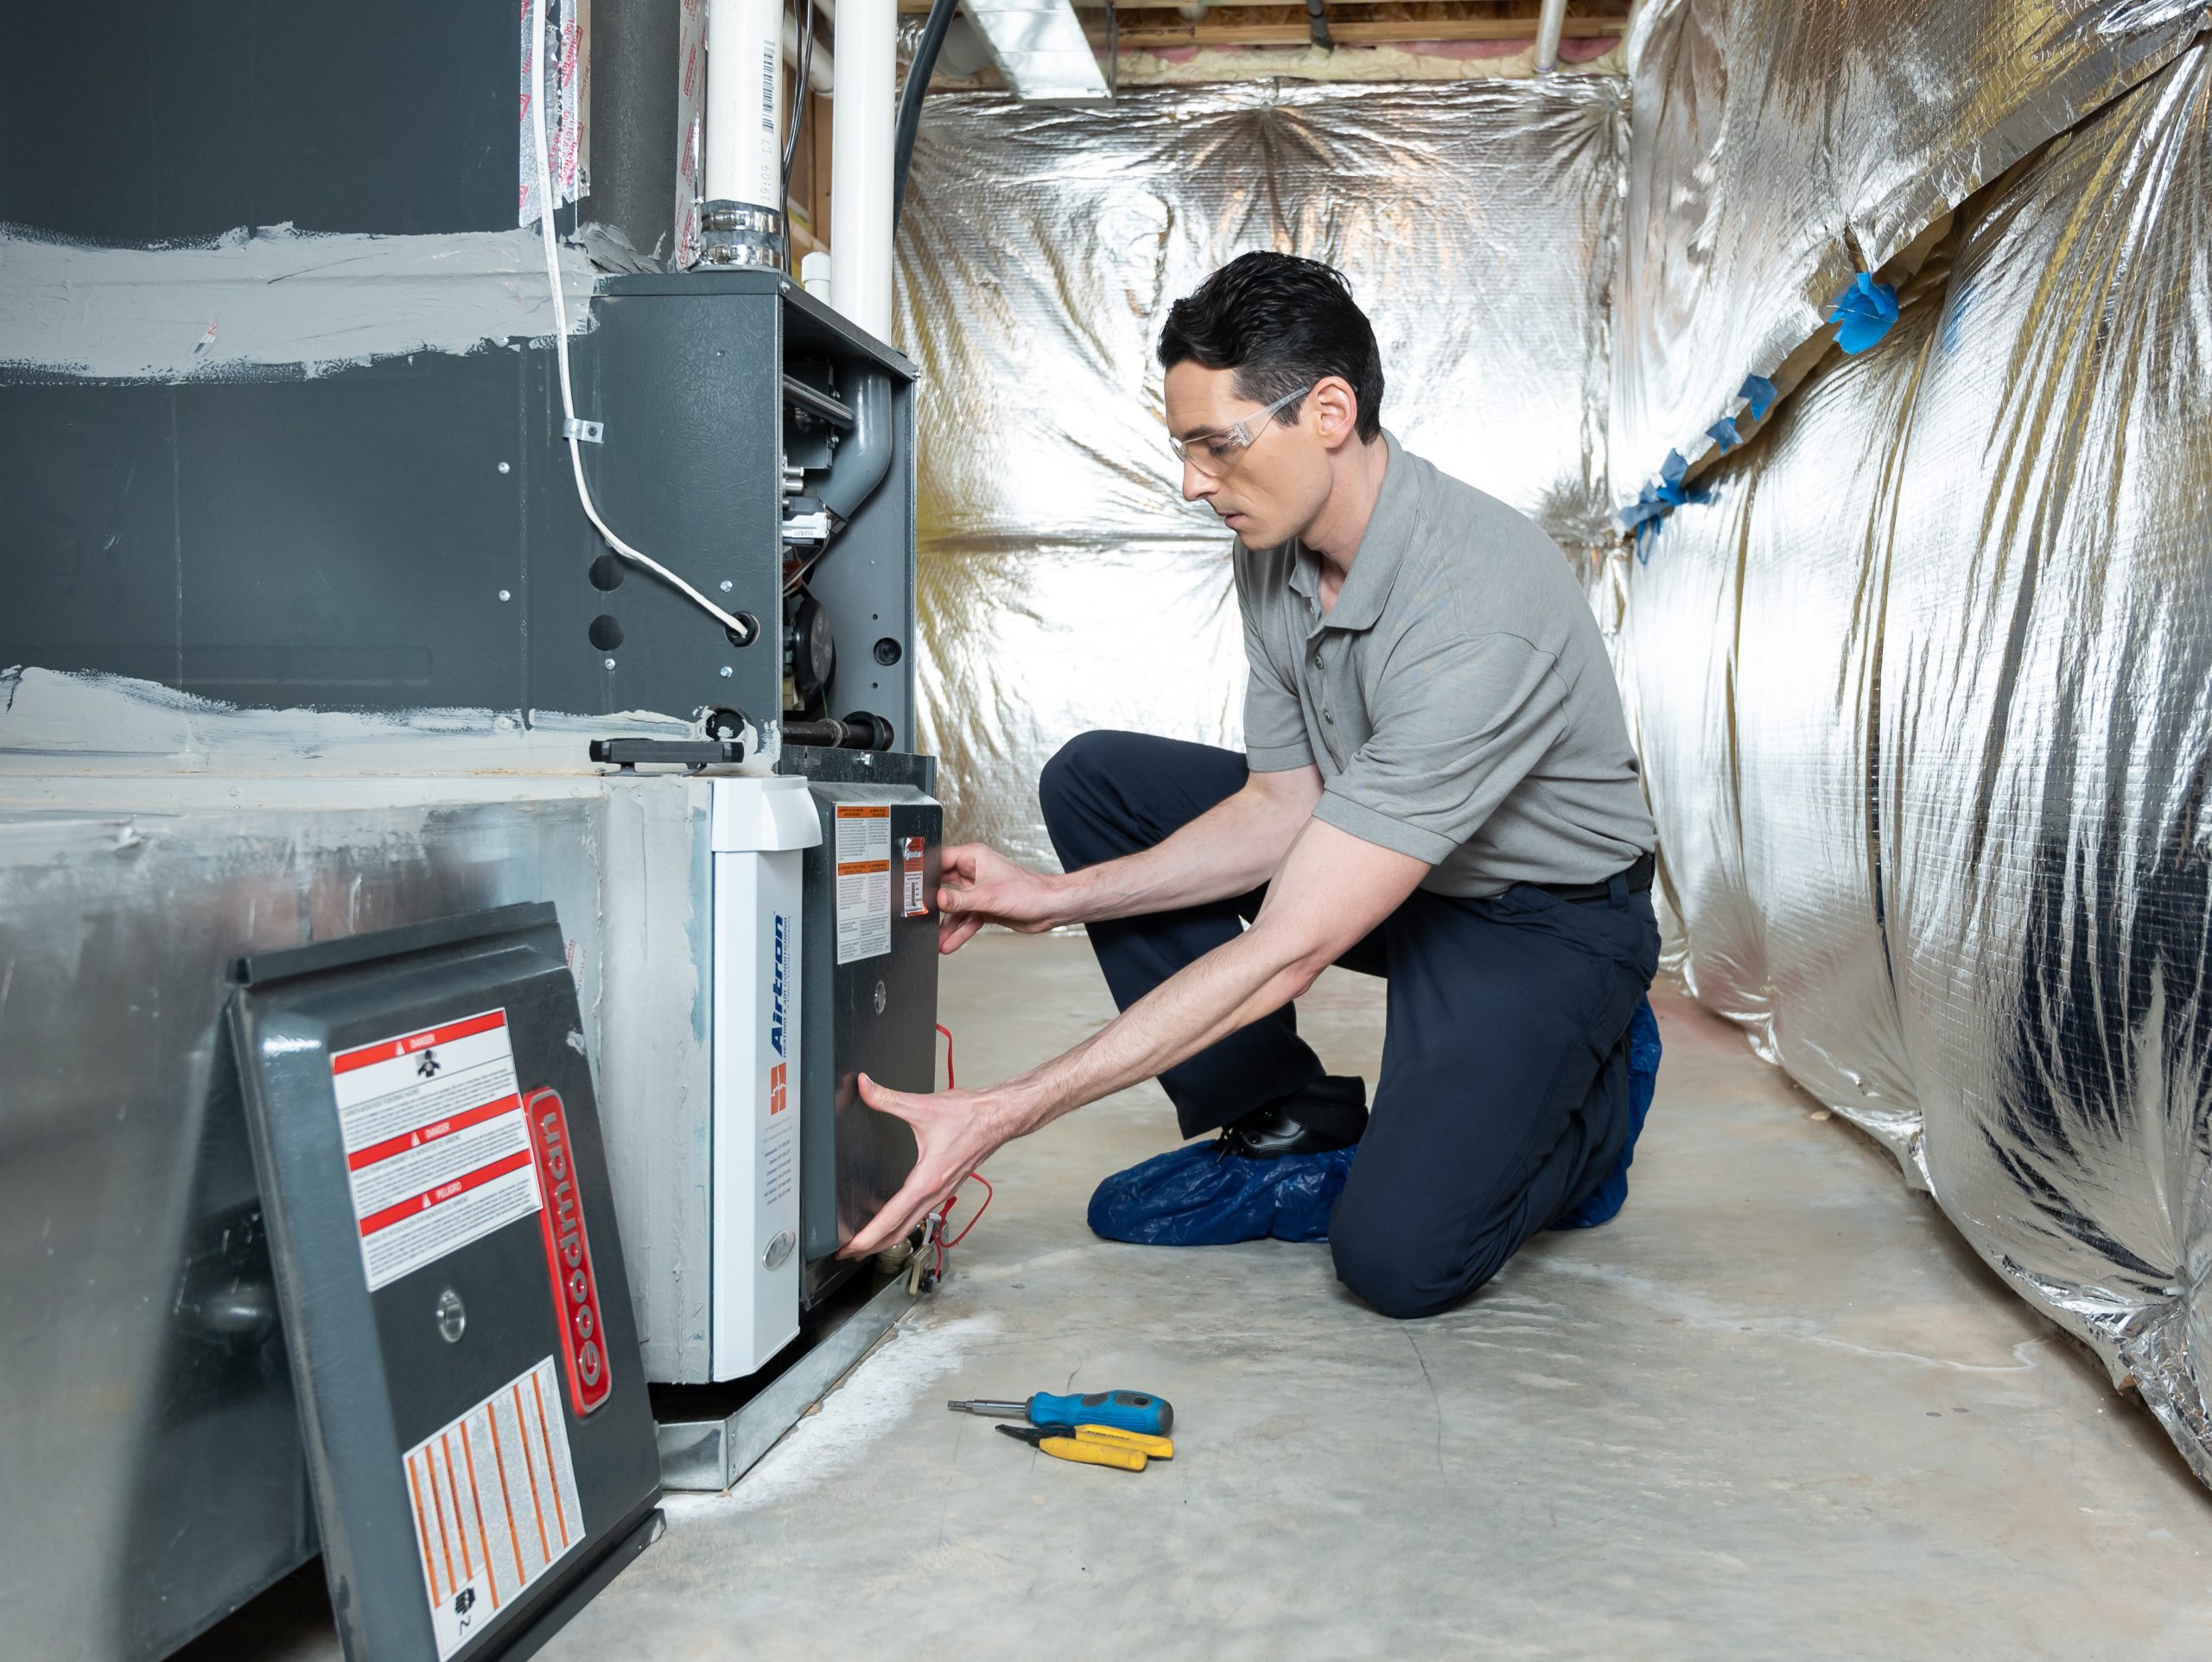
<point x="981" y="886"/>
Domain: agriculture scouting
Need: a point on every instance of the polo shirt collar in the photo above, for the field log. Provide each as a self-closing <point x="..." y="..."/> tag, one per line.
<point x="1374" y="567"/>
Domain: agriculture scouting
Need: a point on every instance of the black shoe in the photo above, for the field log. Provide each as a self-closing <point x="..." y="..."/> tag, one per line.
<point x="1329" y="1113"/>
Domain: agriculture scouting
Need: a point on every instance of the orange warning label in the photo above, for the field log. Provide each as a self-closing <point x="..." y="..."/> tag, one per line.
<point x="494" y="1498"/>
<point x="863" y="857"/>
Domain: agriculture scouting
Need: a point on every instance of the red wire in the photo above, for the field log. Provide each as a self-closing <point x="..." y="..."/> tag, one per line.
<point x="989" y="1192"/>
<point x="980" y="1210"/>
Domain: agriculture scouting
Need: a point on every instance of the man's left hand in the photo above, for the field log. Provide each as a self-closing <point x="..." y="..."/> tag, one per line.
<point x="955" y="1132"/>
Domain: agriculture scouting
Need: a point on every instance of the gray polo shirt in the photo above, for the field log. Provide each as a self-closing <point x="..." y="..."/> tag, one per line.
<point x="1457" y="698"/>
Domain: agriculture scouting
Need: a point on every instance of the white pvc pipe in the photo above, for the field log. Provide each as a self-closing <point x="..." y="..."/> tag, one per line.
<point x="861" y="147"/>
<point x="1549" y="22"/>
<point x="745" y="102"/>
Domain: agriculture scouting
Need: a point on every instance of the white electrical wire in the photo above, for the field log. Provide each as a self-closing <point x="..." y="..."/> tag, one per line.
<point x="745" y="631"/>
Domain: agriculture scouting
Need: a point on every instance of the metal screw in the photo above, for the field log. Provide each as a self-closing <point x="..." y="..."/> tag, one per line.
<point x="504" y="468"/>
<point x="725" y="672"/>
<point x="882" y="997"/>
<point x="504" y="595"/>
<point x="453" y="1320"/>
<point x="610" y="664"/>
<point x="727" y="585"/>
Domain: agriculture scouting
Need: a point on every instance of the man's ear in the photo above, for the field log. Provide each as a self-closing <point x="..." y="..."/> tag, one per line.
<point x="1335" y="410"/>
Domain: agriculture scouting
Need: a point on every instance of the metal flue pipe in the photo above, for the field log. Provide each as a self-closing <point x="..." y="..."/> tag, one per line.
<point x="1549" y="23"/>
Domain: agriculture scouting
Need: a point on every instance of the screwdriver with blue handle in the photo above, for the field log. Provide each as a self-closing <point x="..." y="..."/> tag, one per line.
<point x="1125" y="1411"/>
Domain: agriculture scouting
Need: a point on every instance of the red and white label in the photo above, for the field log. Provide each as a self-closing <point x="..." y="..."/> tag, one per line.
<point x="567" y="1254"/>
<point x="437" y="1151"/>
<point x="915" y="903"/>
<point x="494" y="1501"/>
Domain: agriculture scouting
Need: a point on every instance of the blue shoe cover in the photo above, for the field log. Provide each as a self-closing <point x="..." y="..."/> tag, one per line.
<point x="1599" y="1205"/>
<point x="1194" y="1196"/>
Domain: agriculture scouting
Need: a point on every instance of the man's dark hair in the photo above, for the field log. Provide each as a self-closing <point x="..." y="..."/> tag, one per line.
<point x="1281" y="323"/>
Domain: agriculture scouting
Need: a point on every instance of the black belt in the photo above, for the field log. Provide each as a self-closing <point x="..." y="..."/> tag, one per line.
<point x="1638" y="876"/>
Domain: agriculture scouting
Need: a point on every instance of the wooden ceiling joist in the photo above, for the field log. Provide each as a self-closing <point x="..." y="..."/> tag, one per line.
<point x="1346" y="31"/>
<point x="1472" y="26"/>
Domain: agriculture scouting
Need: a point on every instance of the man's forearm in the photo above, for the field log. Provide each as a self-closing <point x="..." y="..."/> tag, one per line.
<point x="1230" y="988"/>
<point x="1230" y="849"/>
<point x="1331" y="890"/>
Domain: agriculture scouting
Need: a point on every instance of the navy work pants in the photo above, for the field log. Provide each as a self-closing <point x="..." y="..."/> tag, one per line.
<point x="1504" y="1098"/>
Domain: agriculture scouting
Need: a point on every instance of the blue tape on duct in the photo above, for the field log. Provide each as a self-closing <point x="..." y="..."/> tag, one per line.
<point x="1863" y="312"/>
<point x="1649" y="505"/>
<point x="1646" y="534"/>
<point x="1674" y="468"/>
<point x="1759" y="393"/>
<point x="1723" y="433"/>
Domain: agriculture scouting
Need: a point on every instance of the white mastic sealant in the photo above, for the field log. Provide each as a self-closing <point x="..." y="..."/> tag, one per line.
<point x="885" y="1387"/>
<point x="258" y="303"/>
<point x="56" y="723"/>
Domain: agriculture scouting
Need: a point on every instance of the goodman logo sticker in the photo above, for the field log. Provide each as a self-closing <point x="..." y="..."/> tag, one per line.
<point x="567" y="1253"/>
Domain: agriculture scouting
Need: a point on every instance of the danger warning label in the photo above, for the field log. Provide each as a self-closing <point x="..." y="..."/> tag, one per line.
<point x="863" y="882"/>
<point x="437" y="1151"/>
<point x="494" y="1499"/>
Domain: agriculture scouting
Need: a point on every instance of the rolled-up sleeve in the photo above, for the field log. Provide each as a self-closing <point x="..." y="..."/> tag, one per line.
<point x="1461" y="723"/>
<point x="1275" y="727"/>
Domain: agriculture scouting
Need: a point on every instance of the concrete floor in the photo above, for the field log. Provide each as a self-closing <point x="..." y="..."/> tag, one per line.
<point x="1775" y="1407"/>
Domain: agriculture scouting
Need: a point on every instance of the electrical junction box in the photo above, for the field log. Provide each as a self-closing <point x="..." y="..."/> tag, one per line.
<point x="455" y="1309"/>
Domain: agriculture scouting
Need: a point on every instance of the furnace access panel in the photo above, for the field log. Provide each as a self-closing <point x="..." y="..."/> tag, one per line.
<point x="456" y="1308"/>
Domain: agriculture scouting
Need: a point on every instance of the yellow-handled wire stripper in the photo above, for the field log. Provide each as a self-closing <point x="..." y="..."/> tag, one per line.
<point x="1095" y="1445"/>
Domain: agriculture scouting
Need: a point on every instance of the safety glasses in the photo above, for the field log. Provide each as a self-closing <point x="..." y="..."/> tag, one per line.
<point x="1214" y="454"/>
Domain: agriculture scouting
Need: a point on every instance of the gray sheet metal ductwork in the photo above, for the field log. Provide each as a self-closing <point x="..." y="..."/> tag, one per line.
<point x="383" y="567"/>
<point x="636" y="57"/>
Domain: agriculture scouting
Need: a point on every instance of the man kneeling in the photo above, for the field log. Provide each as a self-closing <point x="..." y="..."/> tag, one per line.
<point x="1437" y="787"/>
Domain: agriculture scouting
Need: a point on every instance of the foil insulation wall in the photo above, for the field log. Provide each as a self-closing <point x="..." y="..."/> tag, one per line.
<point x="1781" y="149"/>
<point x="1064" y="585"/>
<point x="1924" y="695"/>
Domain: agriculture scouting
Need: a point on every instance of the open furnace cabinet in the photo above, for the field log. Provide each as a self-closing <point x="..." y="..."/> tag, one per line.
<point x="820" y="880"/>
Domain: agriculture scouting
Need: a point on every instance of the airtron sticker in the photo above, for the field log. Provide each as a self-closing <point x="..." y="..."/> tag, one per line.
<point x="778" y="984"/>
